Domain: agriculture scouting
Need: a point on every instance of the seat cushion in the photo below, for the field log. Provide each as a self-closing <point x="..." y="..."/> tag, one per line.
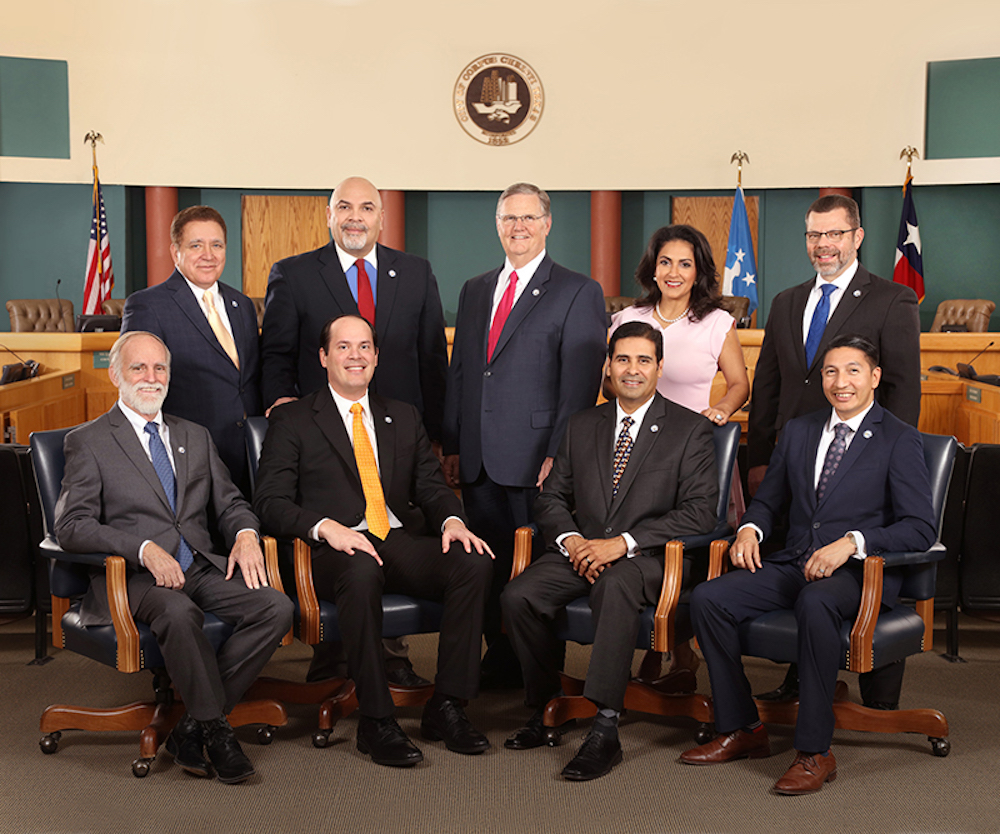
<point x="576" y="623"/>
<point x="401" y="615"/>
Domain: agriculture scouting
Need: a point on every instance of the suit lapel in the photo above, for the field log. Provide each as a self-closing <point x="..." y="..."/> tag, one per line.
<point x="335" y="281"/>
<point x="800" y="296"/>
<point x="649" y="431"/>
<point x="385" y="290"/>
<point x="125" y="437"/>
<point x="330" y="423"/>
<point x="480" y="328"/>
<point x="232" y="303"/>
<point x="533" y="293"/>
<point x="604" y="450"/>
<point x="865" y="435"/>
<point x="845" y="309"/>
<point x="191" y="307"/>
<point x="178" y="447"/>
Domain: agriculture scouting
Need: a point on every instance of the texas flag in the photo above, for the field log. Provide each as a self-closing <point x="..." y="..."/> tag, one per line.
<point x="909" y="267"/>
<point x="740" y="276"/>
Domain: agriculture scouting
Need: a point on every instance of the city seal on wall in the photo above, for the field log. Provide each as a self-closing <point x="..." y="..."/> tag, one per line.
<point x="498" y="99"/>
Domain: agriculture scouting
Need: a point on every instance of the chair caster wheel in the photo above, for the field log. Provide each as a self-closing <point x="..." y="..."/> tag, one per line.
<point x="553" y="738"/>
<point x="265" y="735"/>
<point x="704" y="735"/>
<point x="140" y="768"/>
<point x="321" y="738"/>
<point x="49" y="743"/>
<point x="940" y="746"/>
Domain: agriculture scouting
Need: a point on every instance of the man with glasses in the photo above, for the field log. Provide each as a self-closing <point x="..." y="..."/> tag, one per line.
<point x="844" y="297"/>
<point x="528" y="352"/>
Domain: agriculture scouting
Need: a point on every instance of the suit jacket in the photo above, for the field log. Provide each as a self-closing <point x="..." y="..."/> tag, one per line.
<point x="669" y="488"/>
<point x="508" y="414"/>
<point x="308" y="471"/>
<point x="112" y="501"/>
<point x="306" y="291"/>
<point x="881" y="489"/>
<point x="783" y="387"/>
<point x="205" y="386"/>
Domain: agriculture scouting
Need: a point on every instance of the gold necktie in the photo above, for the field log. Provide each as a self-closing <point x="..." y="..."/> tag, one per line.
<point x="219" y="329"/>
<point x="375" y="513"/>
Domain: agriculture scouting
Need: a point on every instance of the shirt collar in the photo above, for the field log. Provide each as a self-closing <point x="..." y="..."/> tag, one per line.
<point x="524" y="273"/>
<point x="347" y="260"/>
<point x="853" y="423"/>
<point x="841" y="281"/>
<point x="638" y="415"/>
<point x="344" y="405"/>
<point x="199" y="292"/>
<point x="137" y="420"/>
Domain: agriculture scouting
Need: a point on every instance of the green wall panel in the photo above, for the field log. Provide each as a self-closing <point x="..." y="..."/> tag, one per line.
<point x="34" y="108"/>
<point x="963" y="109"/>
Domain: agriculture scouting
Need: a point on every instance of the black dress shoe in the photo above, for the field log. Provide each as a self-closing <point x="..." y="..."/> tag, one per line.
<point x="403" y="675"/>
<point x="386" y="743"/>
<point x="224" y="751"/>
<point x="788" y="690"/>
<point x="597" y="755"/>
<point x="535" y="733"/>
<point x="449" y="722"/>
<point x="186" y="743"/>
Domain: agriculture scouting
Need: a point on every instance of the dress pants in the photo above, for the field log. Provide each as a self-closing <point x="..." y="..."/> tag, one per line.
<point x="416" y="566"/>
<point x="534" y="599"/>
<point x="211" y="684"/>
<point x="720" y="606"/>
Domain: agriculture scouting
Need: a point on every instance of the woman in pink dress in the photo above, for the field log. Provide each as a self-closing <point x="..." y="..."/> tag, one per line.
<point x="677" y="273"/>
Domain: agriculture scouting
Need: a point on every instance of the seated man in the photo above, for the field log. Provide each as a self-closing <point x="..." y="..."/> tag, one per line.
<point x="355" y="473"/>
<point x="630" y="475"/>
<point x="854" y="482"/>
<point x="140" y="484"/>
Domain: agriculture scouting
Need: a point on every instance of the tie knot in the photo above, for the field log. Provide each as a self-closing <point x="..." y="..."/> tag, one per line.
<point x="356" y="408"/>
<point x="360" y="263"/>
<point x="152" y="427"/>
<point x="841" y="430"/>
<point x="206" y="297"/>
<point x="513" y="277"/>
<point x="828" y="289"/>
<point x="627" y="421"/>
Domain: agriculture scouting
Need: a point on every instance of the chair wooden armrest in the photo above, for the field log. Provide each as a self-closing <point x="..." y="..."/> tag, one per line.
<point x="309" y="623"/>
<point x="670" y="592"/>
<point x="522" y="550"/>
<point x="717" y="562"/>
<point x="126" y="631"/>
<point x="270" y="547"/>
<point x="861" y="657"/>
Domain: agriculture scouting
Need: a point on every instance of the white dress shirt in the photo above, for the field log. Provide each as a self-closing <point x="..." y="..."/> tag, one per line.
<point x="816" y="293"/>
<point x="524" y="275"/>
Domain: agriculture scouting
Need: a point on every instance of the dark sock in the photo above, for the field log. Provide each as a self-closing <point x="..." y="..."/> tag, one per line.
<point x="756" y="727"/>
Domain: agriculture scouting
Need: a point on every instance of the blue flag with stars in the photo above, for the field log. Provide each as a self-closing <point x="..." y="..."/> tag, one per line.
<point x="741" y="268"/>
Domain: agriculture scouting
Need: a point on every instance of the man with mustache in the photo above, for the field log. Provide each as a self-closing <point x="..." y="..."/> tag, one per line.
<point x="141" y="484"/>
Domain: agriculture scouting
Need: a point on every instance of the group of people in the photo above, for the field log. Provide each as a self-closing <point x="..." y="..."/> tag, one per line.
<point x="372" y="430"/>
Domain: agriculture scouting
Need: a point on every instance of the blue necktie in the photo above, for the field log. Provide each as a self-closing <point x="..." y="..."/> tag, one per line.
<point x="818" y="323"/>
<point x="165" y="472"/>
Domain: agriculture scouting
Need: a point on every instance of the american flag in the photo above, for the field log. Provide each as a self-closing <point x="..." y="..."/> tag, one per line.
<point x="100" y="275"/>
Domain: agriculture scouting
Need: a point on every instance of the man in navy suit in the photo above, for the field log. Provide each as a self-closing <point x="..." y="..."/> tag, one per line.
<point x="529" y="345"/>
<point x="854" y="483"/>
<point x="216" y="365"/>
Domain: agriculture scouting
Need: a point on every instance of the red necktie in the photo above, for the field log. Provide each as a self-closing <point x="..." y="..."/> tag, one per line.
<point x="366" y="303"/>
<point x="503" y="310"/>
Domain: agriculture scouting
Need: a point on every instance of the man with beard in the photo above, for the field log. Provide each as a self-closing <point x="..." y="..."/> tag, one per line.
<point x="141" y="484"/>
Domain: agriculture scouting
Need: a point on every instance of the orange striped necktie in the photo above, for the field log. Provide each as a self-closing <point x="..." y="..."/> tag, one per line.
<point x="375" y="512"/>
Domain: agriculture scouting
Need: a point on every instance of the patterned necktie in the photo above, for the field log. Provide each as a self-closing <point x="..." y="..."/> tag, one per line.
<point x="375" y="514"/>
<point x="834" y="455"/>
<point x="503" y="310"/>
<point x="165" y="472"/>
<point x="818" y="323"/>
<point x="219" y="329"/>
<point x="366" y="301"/>
<point x="623" y="448"/>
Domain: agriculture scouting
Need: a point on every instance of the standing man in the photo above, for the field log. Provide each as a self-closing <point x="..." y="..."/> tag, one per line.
<point x="142" y="484"/>
<point x="631" y="475"/>
<point x="854" y="483"/>
<point x="844" y="297"/>
<point x="529" y="346"/>
<point x="354" y="473"/>
<point x="211" y="332"/>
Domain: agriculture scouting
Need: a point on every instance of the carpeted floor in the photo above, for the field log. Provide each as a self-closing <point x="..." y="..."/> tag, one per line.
<point x="885" y="783"/>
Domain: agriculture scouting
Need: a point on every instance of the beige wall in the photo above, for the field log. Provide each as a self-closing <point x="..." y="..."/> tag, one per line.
<point x="639" y="94"/>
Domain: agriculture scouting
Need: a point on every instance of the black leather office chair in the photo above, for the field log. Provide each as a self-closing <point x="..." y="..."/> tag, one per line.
<point x="685" y="563"/>
<point x="875" y="638"/>
<point x="316" y="622"/>
<point x="126" y="645"/>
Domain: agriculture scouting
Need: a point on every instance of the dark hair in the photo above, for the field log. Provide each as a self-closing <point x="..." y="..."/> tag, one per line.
<point x="832" y="202"/>
<point x="637" y="330"/>
<point x="858" y="342"/>
<point x="324" y="336"/>
<point x="705" y="295"/>
<point x="191" y="215"/>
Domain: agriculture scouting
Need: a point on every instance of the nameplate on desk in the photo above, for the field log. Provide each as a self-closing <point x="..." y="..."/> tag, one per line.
<point x="973" y="395"/>
<point x="102" y="358"/>
<point x="68" y="381"/>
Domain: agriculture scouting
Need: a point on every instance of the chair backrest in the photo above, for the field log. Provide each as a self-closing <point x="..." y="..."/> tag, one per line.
<point x="49" y="463"/>
<point x="974" y="313"/>
<point x="258" y="306"/>
<point x="727" y="444"/>
<point x="29" y="315"/>
<point x="939" y="455"/>
<point x="738" y="306"/>
<point x="254" y="430"/>
<point x="113" y="307"/>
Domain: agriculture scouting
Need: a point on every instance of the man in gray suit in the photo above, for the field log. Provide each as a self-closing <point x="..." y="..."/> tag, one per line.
<point x="631" y="475"/>
<point x="141" y="484"/>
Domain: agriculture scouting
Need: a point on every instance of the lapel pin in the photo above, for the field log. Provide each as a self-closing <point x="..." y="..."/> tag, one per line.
<point x="388" y="419"/>
<point x="654" y="428"/>
<point x="180" y="449"/>
<point x="392" y="273"/>
<point x="234" y="304"/>
<point x="867" y="434"/>
<point x="536" y="291"/>
<point x="857" y="293"/>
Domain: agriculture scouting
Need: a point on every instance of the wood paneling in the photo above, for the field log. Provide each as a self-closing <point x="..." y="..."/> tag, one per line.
<point x="275" y="227"/>
<point x="711" y="216"/>
<point x="51" y="401"/>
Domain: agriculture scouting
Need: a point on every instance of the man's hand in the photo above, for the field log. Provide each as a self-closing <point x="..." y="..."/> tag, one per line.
<point x="827" y="559"/>
<point x="247" y="554"/>
<point x="279" y="401"/>
<point x="755" y="475"/>
<point x="590" y="557"/>
<point x="346" y="540"/>
<point x="165" y="568"/>
<point x="745" y="552"/>
<point x="543" y="473"/>
<point x="456" y="531"/>
<point x="450" y="466"/>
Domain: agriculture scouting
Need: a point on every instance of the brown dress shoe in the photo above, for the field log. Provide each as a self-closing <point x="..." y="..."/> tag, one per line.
<point x="726" y="748"/>
<point x="807" y="774"/>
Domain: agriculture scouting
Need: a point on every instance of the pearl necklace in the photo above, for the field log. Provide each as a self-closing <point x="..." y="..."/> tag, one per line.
<point x="662" y="320"/>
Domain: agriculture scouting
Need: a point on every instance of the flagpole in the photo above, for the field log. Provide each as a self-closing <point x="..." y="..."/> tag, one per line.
<point x="739" y="157"/>
<point x="94" y="137"/>
<point x="909" y="152"/>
